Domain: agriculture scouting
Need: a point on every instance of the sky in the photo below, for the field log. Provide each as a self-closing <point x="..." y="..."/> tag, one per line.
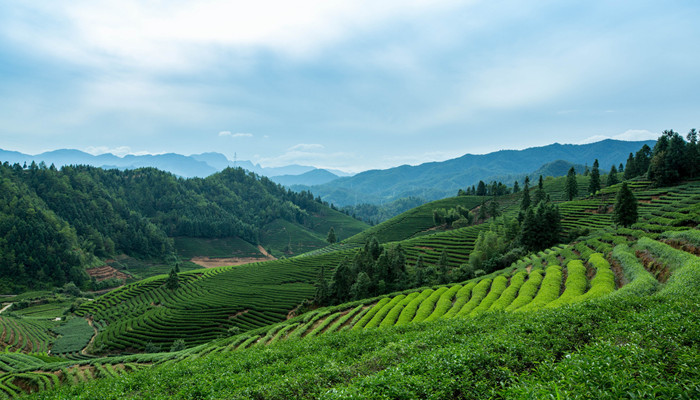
<point x="350" y="85"/>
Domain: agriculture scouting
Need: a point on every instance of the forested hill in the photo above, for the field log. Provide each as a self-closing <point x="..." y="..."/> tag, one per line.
<point x="55" y="222"/>
<point x="436" y="180"/>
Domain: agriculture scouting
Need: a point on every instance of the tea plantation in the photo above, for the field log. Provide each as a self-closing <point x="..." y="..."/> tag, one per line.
<point x="611" y="315"/>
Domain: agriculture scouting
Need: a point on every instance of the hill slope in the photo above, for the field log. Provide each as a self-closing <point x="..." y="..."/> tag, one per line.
<point x="562" y="339"/>
<point x="440" y="179"/>
<point x="55" y="220"/>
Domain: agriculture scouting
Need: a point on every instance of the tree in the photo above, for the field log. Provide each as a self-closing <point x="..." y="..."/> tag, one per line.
<point x="343" y="280"/>
<point x="516" y="187"/>
<point x="540" y="194"/>
<point x="621" y="168"/>
<point x="322" y="290"/>
<point x="481" y="189"/>
<point x="630" y="168"/>
<point x="493" y="209"/>
<point x="525" y="203"/>
<point x="443" y="276"/>
<point x="483" y="215"/>
<point x="612" y="176"/>
<point x="541" y="227"/>
<point x="571" y="186"/>
<point x="172" y="282"/>
<point x="362" y="286"/>
<point x="331" y="238"/>
<point x="625" y="206"/>
<point x="419" y="277"/>
<point x="594" y="183"/>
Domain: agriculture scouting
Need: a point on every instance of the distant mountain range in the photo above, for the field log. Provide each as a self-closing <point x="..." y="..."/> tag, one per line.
<point x="436" y="180"/>
<point x="429" y="181"/>
<point x="196" y="165"/>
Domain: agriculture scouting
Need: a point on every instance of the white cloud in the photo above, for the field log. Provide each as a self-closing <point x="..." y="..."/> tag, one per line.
<point x="120" y="151"/>
<point x="235" y="135"/>
<point x="182" y="35"/>
<point x="306" y="147"/>
<point x="628" y="135"/>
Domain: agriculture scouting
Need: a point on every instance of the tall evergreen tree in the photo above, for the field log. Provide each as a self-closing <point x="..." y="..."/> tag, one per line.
<point x="540" y="195"/>
<point x="419" y="272"/>
<point x="442" y="269"/>
<point x="594" y="183"/>
<point x="516" y="187"/>
<point x="525" y="203"/>
<point x="172" y="282"/>
<point x="693" y="154"/>
<point x="541" y="227"/>
<point x="343" y="279"/>
<point x="331" y="238"/>
<point x="625" y="206"/>
<point x="322" y="290"/>
<point x="362" y="287"/>
<point x="494" y="211"/>
<point x="621" y="168"/>
<point x="612" y="176"/>
<point x="630" y="168"/>
<point x="571" y="186"/>
<point x="481" y="189"/>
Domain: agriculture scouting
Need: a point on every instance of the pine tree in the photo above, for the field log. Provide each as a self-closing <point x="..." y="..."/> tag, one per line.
<point x="625" y="206"/>
<point x="594" y="184"/>
<point x="516" y="187"/>
<point x="331" y="238"/>
<point x="443" y="276"/>
<point x="172" y="282"/>
<point x="322" y="290"/>
<point x="540" y="195"/>
<point x="481" y="189"/>
<point x="612" y="176"/>
<point x="571" y="186"/>
<point x="362" y="286"/>
<point x="525" y="203"/>
<point x="419" y="277"/>
<point x="493" y="209"/>
<point x="343" y="280"/>
<point x="629" y="168"/>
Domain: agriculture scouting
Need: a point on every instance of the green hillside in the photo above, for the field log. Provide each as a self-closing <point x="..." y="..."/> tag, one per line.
<point x="425" y="317"/>
<point x="55" y="223"/>
<point x="540" y="327"/>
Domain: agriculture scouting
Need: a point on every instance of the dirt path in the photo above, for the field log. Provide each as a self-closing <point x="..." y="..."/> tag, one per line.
<point x="265" y="253"/>
<point x="212" y="262"/>
<point x="92" y="339"/>
<point x="6" y="306"/>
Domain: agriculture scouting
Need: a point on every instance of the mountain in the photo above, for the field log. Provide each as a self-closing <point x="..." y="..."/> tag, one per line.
<point x="313" y="177"/>
<point x="440" y="179"/>
<point x="195" y="165"/>
<point x="55" y="222"/>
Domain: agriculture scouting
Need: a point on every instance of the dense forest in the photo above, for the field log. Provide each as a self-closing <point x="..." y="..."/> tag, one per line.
<point x="54" y="222"/>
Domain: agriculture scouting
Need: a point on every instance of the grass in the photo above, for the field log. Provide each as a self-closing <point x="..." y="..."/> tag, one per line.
<point x="188" y="247"/>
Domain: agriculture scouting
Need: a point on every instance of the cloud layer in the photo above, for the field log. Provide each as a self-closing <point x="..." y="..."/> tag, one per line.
<point x="347" y="84"/>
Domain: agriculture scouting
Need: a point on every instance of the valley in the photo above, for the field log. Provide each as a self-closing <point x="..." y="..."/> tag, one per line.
<point x="451" y="288"/>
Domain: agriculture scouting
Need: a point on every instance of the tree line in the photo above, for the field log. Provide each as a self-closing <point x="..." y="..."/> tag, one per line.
<point x="55" y="221"/>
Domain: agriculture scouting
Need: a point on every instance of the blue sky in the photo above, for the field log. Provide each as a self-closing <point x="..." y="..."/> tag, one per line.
<point x="350" y="85"/>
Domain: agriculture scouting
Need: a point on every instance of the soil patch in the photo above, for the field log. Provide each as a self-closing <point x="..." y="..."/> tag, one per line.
<point x="620" y="280"/>
<point x="212" y="262"/>
<point x="676" y="244"/>
<point x="654" y="266"/>
<point x="106" y="272"/>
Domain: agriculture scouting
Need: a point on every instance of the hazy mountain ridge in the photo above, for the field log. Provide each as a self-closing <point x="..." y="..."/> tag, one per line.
<point x="195" y="165"/>
<point x="435" y="180"/>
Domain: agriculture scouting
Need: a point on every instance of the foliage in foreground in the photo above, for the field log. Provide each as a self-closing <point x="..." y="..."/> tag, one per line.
<point x="613" y="347"/>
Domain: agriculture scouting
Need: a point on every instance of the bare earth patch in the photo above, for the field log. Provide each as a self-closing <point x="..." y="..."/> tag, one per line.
<point x="211" y="262"/>
<point x="106" y="272"/>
